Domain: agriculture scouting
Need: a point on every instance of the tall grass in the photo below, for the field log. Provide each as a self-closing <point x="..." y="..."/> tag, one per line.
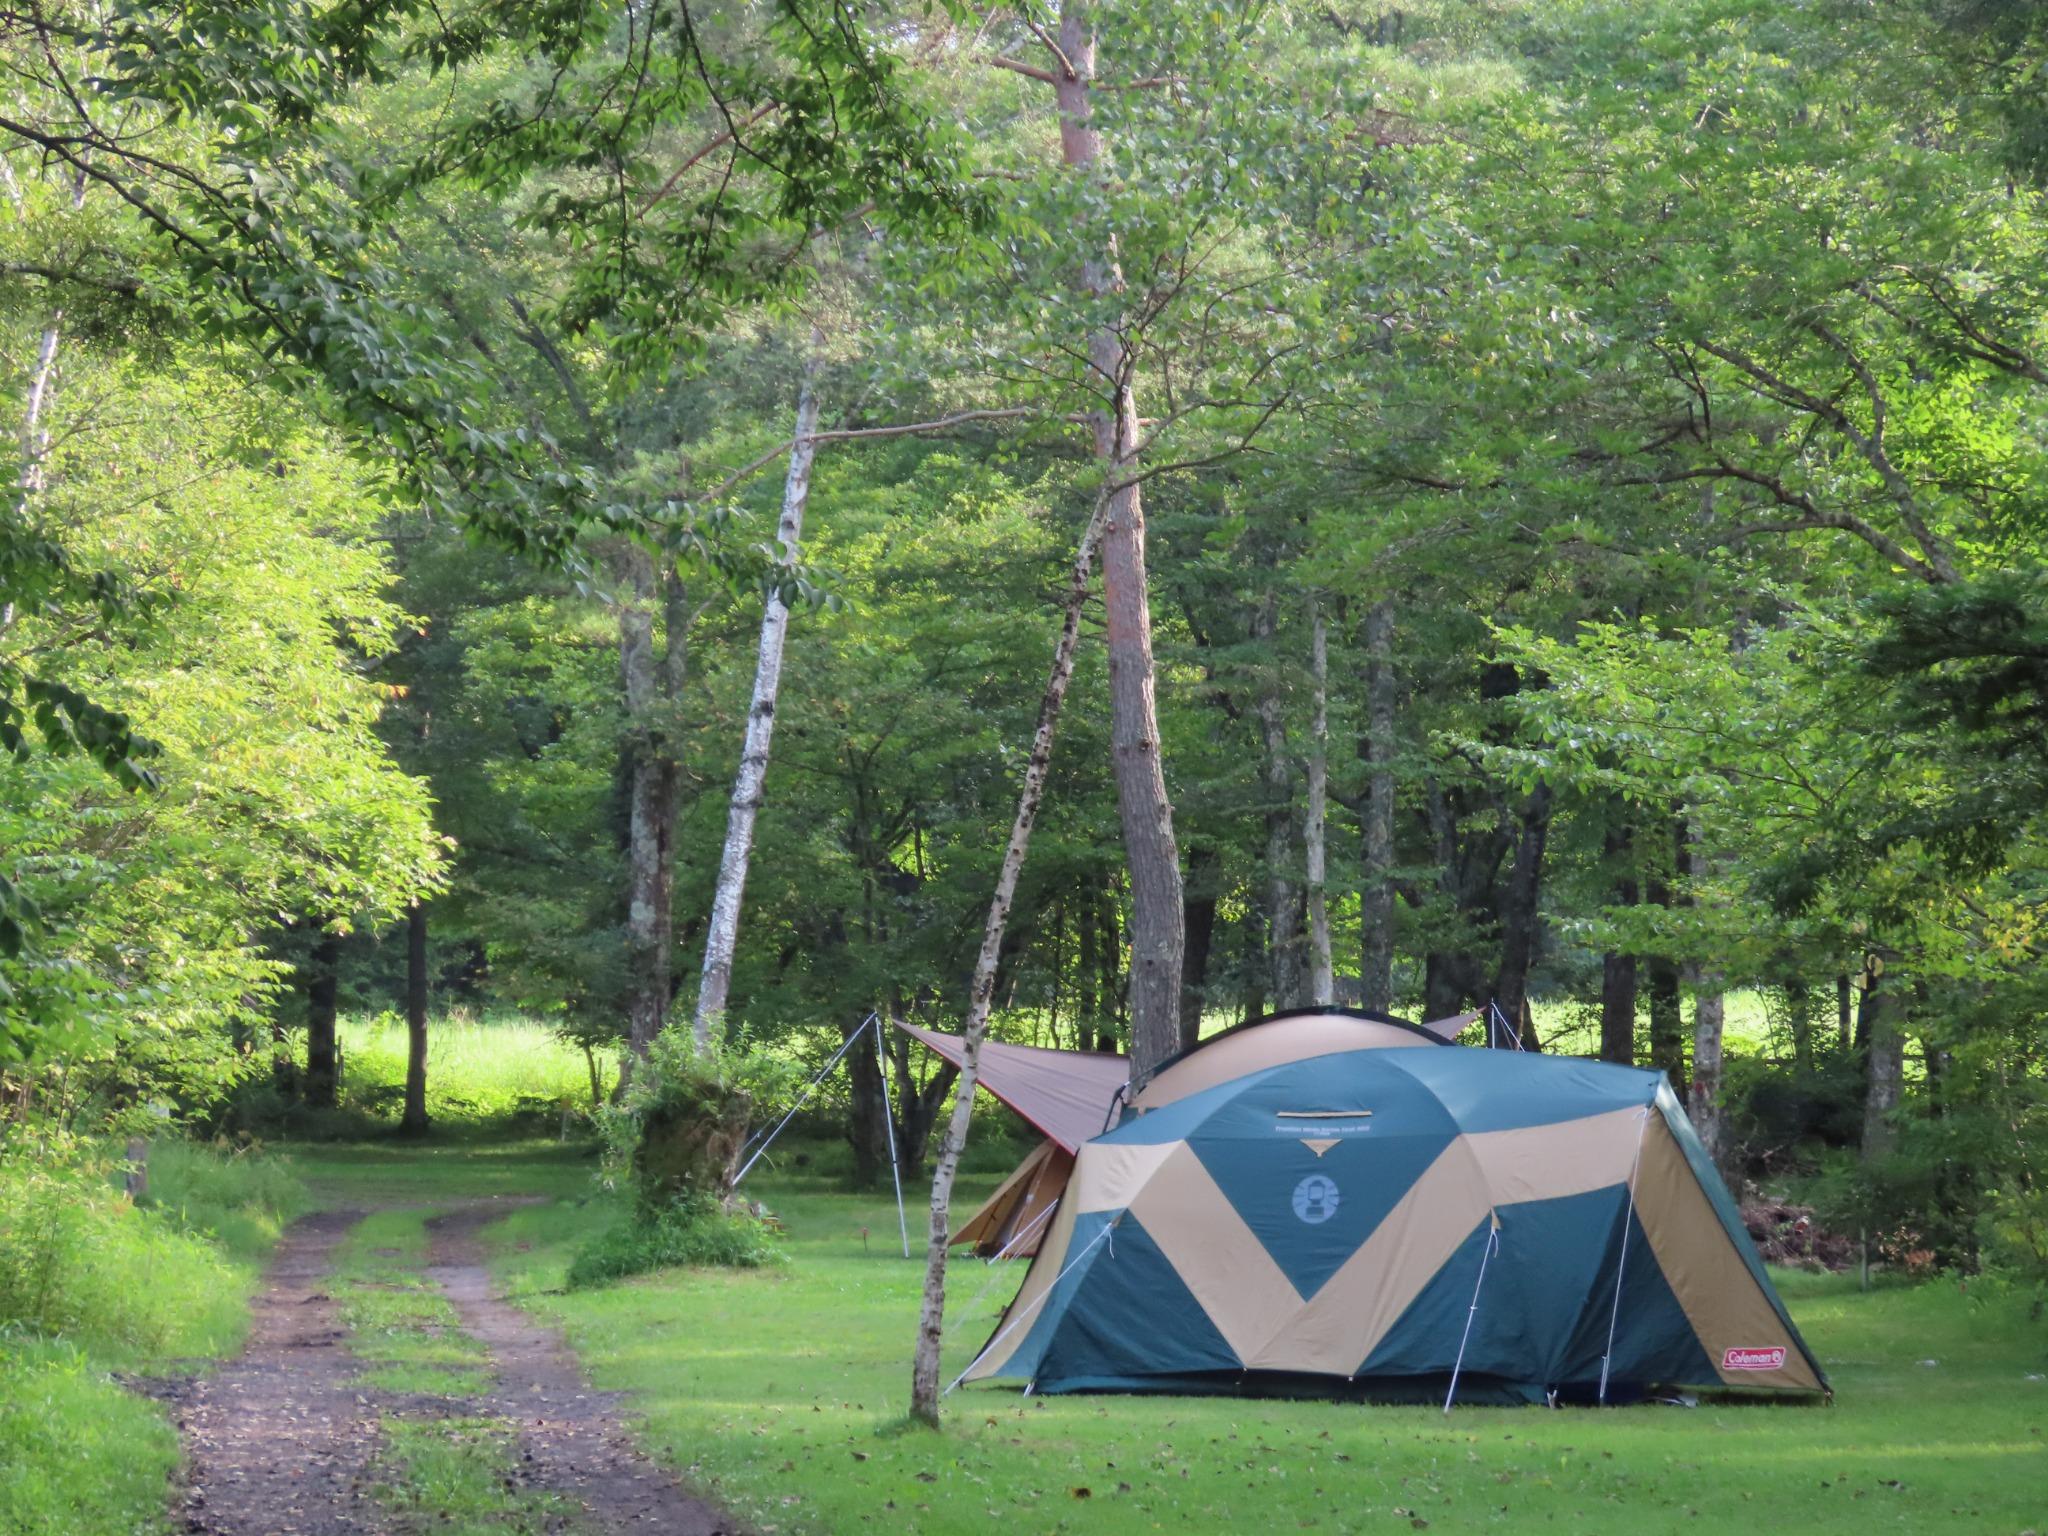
<point x="477" y="1069"/>
<point x="90" y="1283"/>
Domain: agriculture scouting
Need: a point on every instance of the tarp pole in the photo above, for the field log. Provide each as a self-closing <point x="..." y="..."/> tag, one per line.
<point x="889" y="1128"/>
<point x="1492" y="1246"/>
<point x="809" y="1088"/>
<point x="1621" y="1261"/>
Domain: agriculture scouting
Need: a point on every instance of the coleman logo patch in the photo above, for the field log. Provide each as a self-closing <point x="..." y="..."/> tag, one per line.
<point x="1315" y="1199"/>
<point x="1771" y="1359"/>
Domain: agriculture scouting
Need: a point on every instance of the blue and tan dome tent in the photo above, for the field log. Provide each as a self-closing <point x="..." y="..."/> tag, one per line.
<point x="1288" y="1209"/>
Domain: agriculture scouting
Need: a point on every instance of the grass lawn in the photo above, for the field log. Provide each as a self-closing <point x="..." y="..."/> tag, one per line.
<point x="781" y="1392"/>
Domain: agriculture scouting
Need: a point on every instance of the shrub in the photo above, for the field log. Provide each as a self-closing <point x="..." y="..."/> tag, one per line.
<point x="78" y="1262"/>
<point x="682" y="1123"/>
<point x="697" y="1230"/>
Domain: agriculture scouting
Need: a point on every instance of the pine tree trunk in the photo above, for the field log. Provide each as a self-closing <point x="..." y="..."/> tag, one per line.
<point x="323" y="1045"/>
<point x="1322" y="978"/>
<point x="1376" y="896"/>
<point x="1283" y="934"/>
<point x="1157" y="938"/>
<point x="414" y="1120"/>
<point x="924" y="1376"/>
<point x="749" y="784"/>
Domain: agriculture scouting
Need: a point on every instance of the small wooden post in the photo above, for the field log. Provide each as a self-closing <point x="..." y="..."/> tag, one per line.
<point x="136" y="1179"/>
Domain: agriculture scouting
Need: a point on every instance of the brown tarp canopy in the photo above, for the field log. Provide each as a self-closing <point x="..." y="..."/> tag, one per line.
<point x="1065" y="1094"/>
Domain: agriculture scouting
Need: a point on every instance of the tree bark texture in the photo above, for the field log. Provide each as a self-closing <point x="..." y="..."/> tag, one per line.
<point x="1157" y="937"/>
<point x="924" y="1376"/>
<point x="323" y="1047"/>
<point x="1618" y="971"/>
<point x="1283" y="897"/>
<point x="749" y="784"/>
<point x="1322" y="975"/>
<point x="1520" y="913"/>
<point x="652" y="778"/>
<point x="414" y="1120"/>
<point x="1884" y="1065"/>
<point x="1703" y="1094"/>
<point x="1376" y="895"/>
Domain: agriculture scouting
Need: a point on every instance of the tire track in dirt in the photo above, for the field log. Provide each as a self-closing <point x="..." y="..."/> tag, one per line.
<point x="279" y="1442"/>
<point x="570" y="1439"/>
<point x="285" y="1440"/>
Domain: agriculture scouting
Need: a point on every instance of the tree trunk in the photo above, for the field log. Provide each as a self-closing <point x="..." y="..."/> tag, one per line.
<point x="1845" y="1035"/>
<point x="651" y="808"/>
<point x="924" y="1375"/>
<point x="1667" y="1019"/>
<point x="1618" y="971"/>
<point x="1376" y="896"/>
<point x="1205" y="867"/>
<point x="1283" y="934"/>
<point x="1322" y="978"/>
<point x="323" y="1045"/>
<point x="867" y="1123"/>
<point x="1703" y="1097"/>
<point x="722" y="940"/>
<point x="414" y="1120"/>
<point x="1157" y="939"/>
<point x="1884" y="1067"/>
<point x="1520" y="904"/>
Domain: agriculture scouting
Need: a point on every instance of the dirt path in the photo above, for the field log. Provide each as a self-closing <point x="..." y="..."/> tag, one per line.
<point x="279" y="1441"/>
<point x="569" y="1437"/>
<point x="284" y="1440"/>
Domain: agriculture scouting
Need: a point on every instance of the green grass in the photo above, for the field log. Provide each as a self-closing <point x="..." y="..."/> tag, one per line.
<point x="78" y="1454"/>
<point x="449" y="1475"/>
<point x="401" y="1327"/>
<point x="477" y="1069"/>
<point x="781" y="1392"/>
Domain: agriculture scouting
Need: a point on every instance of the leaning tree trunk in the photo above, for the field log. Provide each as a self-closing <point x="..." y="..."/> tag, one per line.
<point x="414" y="1120"/>
<point x="1283" y="931"/>
<point x="1322" y="979"/>
<point x="1376" y="896"/>
<point x="715" y="982"/>
<point x="924" y="1376"/>
<point x="1157" y="937"/>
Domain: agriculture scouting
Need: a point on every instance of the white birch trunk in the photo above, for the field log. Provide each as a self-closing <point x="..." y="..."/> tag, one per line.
<point x="924" y="1377"/>
<point x="751" y="780"/>
<point x="1322" y="979"/>
<point x="1376" y="897"/>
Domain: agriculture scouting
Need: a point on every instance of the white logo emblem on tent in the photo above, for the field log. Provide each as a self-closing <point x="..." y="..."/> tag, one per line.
<point x="1315" y="1198"/>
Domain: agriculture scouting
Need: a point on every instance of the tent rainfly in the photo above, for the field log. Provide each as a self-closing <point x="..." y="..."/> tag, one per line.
<point x="1070" y="1096"/>
<point x="1293" y="1208"/>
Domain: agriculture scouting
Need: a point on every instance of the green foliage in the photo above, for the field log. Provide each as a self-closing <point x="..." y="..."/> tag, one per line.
<point x="695" y="1231"/>
<point x="502" y="1071"/>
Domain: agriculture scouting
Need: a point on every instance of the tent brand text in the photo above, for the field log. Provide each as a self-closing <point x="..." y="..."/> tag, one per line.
<point x="1771" y="1359"/>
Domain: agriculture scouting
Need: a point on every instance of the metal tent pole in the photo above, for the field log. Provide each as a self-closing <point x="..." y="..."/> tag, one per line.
<point x="889" y="1126"/>
<point x="802" y="1099"/>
